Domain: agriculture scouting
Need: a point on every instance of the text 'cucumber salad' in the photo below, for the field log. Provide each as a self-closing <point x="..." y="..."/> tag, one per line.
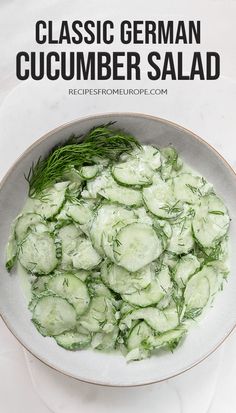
<point x="123" y="244"/>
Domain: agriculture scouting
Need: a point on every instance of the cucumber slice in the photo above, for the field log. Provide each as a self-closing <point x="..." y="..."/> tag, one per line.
<point x="123" y="282"/>
<point x="37" y="253"/>
<point x="85" y="256"/>
<point x="211" y="221"/>
<point x="151" y="155"/>
<point x="82" y="275"/>
<point x="122" y="195"/>
<point x="126" y="308"/>
<point x="139" y="335"/>
<point x="25" y="223"/>
<point x="143" y="217"/>
<point x="170" y="338"/>
<point x="53" y="315"/>
<point x="105" y="341"/>
<point x="70" y="287"/>
<point x="120" y="219"/>
<point x="137" y="354"/>
<point x="73" y="340"/>
<point x="80" y="212"/>
<point x="97" y="288"/>
<point x="69" y="236"/>
<point x="160" y="321"/>
<point x="108" y="217"/>
<point x="96" y="185"/>
<point x="164" y="230"/>
<point x="72" y="175"/>
<point x="100" y="316"/>
<point x="181" y="241"/>
<point x="130" y="246"/>
<point x="170" y="162"/>
<point x="185" y="267"/>
<point x="170" y="259"/>
<point x="214" y="277"/>
<point x="133" y="172"/>
<point x="89" y="172"/>
<point x="189" y="188"/>
<point x="160" y="200"/>
<point x="50" y="201"/>
<point x="139" y="168"/>
<point x="153" y="293"/>
<point x="197" y="292"/>
<point x="40" y="285"/>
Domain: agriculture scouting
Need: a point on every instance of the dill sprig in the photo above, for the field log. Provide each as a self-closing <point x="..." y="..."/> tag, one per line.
<point x="100" y="142"/>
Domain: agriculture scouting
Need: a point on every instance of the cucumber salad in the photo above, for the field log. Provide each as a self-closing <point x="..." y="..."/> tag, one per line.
<point x="123" y="244"/>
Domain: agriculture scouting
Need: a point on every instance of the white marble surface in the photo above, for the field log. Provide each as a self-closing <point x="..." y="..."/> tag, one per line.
<point x="30" y="109"/>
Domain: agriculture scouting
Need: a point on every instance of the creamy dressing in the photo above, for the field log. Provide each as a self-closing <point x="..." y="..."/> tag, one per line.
<point x="24" y="281"/>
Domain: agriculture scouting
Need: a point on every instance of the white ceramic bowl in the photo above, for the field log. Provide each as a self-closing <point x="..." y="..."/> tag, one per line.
<point x="112" y="369"/>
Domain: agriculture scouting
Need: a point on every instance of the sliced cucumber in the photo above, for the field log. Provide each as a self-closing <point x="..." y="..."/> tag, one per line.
<point x="85" y="256"/>
<point x="105" y="341"/>
<point x="37" y="253"/>
<point x="50" y="201"/>
<point x="170" y="259"/>
<point x="82" y="275"/>
<point x="133" y="172"/>
<point x="25" y="223"/>
<point x="120" y="194"/>
<point x="181" y="241"/>
<point x="97" y="288"/>
<point x="72" y="175"/>
<point x="160" y="200"/>
<point x="211" y="221"/>
<point x="96" y="185"/>
<point x="197" y="292"/>
<point x="40" y="284"/>
<point x="126" y="308"/>
<point x="100" y="316"/>
<point x="53" y="315"/>
<point x="142" y="216"/>
<point x="122" y="281"/>
<point x="160" y="321"/>
<point x="153" y="293"/>
<point x="139" y="336"/>
<point x="151" y="155"/>
<point x="69" y="236"/>
<point x="130" y="246"/>
<point x="170" y="338"/>
<point x="73" y="340"/>
<point x="119" y="220"/>
<point x="80" y="212"/>
<point x="185" y="267"/>
<point x="107" y="218"/>
<point x="170" y="162"/>
<point x="89" y="172"/>
<point x="121" y="254"/>
<point x="70" y="287"/>
<point x="189" y="188"/>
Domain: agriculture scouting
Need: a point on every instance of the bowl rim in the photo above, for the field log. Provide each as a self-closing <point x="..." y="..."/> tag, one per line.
<point x="95" y="117"/>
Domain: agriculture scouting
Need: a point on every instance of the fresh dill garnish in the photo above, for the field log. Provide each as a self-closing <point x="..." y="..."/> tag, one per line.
<point x="171" y="345"/>
<point x="65" y="282"/>
<point x="192" y="188"/>
<point x="193" y="313"/>
<point x="216" y="212"/>
<point x="100" y="142"/>
<point x="172" y="208"/>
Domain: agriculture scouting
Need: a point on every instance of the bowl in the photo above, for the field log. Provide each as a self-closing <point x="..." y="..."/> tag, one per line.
<point x="111" y="369"/>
